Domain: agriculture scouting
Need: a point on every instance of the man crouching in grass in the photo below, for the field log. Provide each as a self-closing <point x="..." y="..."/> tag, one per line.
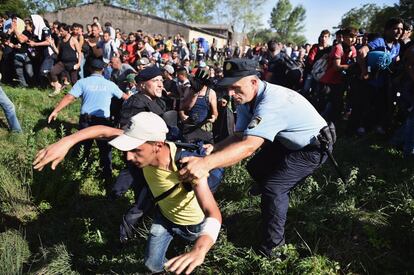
<point x="193" y="215"/>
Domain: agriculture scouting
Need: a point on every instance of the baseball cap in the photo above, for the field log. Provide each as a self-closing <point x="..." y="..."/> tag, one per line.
<point x="148" y="73"/>
<point x="143" y="127"/>
<point x="169" y="69"/>
<point x="130" y="78"/>
<point x="143" y="61"/>
<point x="237" y="68"/>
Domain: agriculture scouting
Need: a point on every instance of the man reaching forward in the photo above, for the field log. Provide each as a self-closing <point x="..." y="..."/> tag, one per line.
<point x="191" y="214"/>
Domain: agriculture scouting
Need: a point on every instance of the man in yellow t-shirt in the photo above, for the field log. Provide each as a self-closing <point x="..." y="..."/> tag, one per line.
<point x="193" y="215"/>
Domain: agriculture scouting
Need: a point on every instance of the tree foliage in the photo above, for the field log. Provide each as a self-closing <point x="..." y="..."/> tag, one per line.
<point x="261" y="35"/>
<point x="200" y="11"/>
<point x="406" y="8"/>
<point x="378" y="21"/>
<point x="287" y="21"/>
<point x="17" y="7"/>
<point x="372" y="18"/>
<point x="144" y="6"/>
<point x="62" y="4"/>
<point x="243" y="14"/>
<point x="359" y="17"/>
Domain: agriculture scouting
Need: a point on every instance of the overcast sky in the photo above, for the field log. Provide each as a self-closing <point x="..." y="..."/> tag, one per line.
<point x="322" y="14"/>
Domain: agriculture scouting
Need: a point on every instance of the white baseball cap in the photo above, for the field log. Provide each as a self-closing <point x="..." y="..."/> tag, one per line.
<point x="143" y="127"/>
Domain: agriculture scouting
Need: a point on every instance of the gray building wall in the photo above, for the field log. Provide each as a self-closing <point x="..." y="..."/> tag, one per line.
<point x="124" y="19"/>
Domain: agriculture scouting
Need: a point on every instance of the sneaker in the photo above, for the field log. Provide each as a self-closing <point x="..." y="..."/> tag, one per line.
<point x="54" y="93"/>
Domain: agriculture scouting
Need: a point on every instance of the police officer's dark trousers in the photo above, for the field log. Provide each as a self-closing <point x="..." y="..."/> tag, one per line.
<point x="105" y="152"/>
<point x="278" y="170"/>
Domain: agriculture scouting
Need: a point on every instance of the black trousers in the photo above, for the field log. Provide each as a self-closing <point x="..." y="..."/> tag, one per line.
<point x="105" y="150"/>
<point x="279" y="170"/>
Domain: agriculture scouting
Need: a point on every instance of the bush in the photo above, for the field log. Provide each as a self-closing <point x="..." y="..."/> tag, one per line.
<point x="14" y="252"/>
<point x="15" y="198"/>
<point x="55" y="261"/>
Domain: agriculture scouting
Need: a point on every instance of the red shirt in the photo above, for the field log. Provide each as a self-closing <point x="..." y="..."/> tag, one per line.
<point x="132" y="50"/>
<point x="332" y="75"/>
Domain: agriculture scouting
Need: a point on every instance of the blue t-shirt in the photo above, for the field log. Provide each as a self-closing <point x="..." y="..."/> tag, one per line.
<point x="280" y="114"/>
<point x="96" y="93"/>
<point x="379" y="44"/>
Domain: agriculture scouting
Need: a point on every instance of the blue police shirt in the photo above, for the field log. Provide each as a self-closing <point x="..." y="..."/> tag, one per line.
<point x="280" y="114"/>
<point x="96" y="93"/>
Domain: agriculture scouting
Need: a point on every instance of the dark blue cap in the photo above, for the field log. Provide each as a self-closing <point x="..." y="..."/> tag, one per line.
<point x="148" y="73"/>
<point x="237" y="68"/>
<point x="97" y="64"/>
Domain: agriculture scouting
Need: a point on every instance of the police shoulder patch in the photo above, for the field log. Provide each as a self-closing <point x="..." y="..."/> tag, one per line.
<point x="255" y="121"/>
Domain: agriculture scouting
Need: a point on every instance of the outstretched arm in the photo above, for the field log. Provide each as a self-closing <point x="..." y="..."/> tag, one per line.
<point x="190" y="260"/>
<point x="56" y="152"/>
<point x="232" y="153"/>
<point x="66" y="100"/>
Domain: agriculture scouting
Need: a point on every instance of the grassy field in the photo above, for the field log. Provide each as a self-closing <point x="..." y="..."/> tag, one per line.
<point x="60" y="222"/>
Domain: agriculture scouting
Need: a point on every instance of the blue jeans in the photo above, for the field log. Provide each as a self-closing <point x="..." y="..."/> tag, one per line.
<point x="82" y="67"/>
<point x="24" y="68"/>
<point x="161" y="233"/>
<point x="9" y="111"/>
<point x="107" y="72"/>
<point x="307" y="85"/>
<point x="405" y="135"/>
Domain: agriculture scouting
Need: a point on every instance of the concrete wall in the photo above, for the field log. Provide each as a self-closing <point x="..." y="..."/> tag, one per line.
<point x="126" y="20"/>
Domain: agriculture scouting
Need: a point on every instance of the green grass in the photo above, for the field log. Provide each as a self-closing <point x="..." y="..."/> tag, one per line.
<point x="364" y="226"/>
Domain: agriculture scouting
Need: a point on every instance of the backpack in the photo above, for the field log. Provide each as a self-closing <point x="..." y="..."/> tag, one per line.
<point x="285" y="70"/>
<point x="319" y="67"/>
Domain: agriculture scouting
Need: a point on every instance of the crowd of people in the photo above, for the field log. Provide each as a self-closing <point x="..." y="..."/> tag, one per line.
<point x="283" y="97"/>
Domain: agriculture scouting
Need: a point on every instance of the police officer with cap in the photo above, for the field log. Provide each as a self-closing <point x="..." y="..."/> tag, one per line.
<point x="281" y="122"/>
<point x="96" y="93"/>
<point x="148" y="98"/>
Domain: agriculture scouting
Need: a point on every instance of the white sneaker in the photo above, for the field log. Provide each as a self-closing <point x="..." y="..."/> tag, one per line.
<point x="54" y="93"/>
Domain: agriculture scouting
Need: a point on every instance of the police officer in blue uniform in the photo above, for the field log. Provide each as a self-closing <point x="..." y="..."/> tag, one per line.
<point x="284" y="125"/>
<point x="96" y="93"/>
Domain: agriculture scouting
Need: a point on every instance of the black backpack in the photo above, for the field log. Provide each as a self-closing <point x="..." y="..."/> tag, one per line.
<point x="285" y="71"/>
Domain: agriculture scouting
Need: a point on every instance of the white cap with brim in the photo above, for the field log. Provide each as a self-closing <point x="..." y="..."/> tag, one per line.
<point x="143" y="127"/>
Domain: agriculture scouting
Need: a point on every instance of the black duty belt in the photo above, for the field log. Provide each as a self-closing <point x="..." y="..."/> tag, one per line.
<point x="95" y="119"/>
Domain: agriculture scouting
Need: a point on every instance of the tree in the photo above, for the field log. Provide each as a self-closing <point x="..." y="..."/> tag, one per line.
<point x="372" y="18"/>
<point x="243" y="14"/>
<point x="17" y="7"/>
<point x="144" y="6"/>
<point x="378" y="20"/>
<point x="287" y="21"/>
<point x="200" y="11"/>
<point x="260" y="35"/>
<point x="359" y="17"/>
<point x="406" y="8"/>
<point x="62" y="4"/>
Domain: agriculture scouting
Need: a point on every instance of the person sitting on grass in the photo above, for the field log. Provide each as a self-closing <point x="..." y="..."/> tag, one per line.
<point x="191" y="214"/>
